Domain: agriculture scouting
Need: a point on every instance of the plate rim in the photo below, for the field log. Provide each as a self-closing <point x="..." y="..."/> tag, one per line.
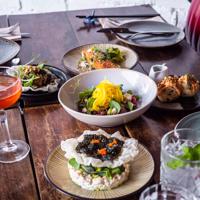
<point x="84" y="198"/>
<point x="14" y="53"/>
<point x="76" y="72"/>
<point x="144" y="46"/>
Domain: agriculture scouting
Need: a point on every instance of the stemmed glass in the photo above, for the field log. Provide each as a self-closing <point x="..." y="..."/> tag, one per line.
<point x="10" y="91"/>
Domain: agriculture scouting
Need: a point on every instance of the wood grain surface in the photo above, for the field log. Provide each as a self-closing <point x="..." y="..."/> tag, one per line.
<point x="51" y="36"/>
<point x="16" y="179"/>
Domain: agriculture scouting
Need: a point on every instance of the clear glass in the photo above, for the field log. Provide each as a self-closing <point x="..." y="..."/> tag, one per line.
<point x="10" y="91"/>
<point x="165" y="192"/>
<point x="177" y="168"/>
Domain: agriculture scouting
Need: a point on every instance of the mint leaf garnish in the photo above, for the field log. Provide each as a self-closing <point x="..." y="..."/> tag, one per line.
<point x="189" y="154"/>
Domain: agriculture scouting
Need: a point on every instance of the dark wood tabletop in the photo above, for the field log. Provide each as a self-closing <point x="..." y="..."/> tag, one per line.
<point x="44" y="126"/>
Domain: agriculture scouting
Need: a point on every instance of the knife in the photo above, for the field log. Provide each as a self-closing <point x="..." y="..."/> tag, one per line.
<point x="118" y="16"/>
<point x="23" y="35"/>
<point x="126" y="30"/>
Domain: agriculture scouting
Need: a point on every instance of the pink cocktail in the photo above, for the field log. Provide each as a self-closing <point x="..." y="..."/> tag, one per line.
<point x="10" y="91"/>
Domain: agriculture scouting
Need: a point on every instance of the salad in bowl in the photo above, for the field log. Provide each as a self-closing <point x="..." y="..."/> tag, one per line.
<point x="107" y="97"/>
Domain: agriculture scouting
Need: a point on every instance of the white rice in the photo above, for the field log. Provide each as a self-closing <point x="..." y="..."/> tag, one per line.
<point x="86" y="181"/>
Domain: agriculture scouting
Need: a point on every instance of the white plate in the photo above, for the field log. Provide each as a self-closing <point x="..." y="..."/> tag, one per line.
<point x="72" y="57"/>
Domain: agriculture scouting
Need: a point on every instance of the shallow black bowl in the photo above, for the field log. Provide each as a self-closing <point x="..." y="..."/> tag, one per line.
<point x="45" y="96"/>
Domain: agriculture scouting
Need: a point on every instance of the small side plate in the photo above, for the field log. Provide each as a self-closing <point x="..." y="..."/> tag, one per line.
<point x="8" y="50"/>
<point x="57" y="174"/>
<point x="72" y="57"/>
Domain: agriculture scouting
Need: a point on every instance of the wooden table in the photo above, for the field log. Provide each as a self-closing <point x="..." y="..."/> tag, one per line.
<point x="44" y="126"/>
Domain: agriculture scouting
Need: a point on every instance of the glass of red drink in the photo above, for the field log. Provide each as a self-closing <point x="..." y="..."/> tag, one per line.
<point x="192" y="29"/>
<point x="10" y="91"/>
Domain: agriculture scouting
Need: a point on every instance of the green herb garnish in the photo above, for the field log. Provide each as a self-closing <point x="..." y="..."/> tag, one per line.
<point x="74" y="164"/>
<point x="115" y="55"/>
<point x="86" y="93"/>
<point x="189" y="154"/>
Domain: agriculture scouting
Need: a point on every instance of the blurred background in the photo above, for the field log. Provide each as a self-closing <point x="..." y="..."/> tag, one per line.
<point x="174" y="11"/>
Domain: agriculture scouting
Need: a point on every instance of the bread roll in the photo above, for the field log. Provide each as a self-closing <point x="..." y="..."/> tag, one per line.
<point x="168" y="89"/>
<point x="189" y="85"/>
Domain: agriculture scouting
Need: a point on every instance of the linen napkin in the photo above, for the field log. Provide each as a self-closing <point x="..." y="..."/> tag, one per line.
<point x="111" y="23"/>
<point x="11" y="33"/>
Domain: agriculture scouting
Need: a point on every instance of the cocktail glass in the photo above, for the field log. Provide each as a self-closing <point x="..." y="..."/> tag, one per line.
<point x="180" y="159"/>
<point x="10" y="91"/>
<point x="165" y="192"/>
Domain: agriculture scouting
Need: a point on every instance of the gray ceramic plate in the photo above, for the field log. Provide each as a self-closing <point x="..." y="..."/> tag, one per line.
<point x="183" y="103"/>
<point x="150" y="41"/>
<point x="72" y="57"/>
<point x="190" y="121"/>
<point x="8" y="50"/>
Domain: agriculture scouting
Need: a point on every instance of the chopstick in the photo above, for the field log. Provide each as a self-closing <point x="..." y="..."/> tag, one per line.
<point x="118" y="16"/>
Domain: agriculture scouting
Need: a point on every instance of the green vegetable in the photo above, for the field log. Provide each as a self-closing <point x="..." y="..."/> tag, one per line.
<point x="115" y="55"/>
<point x="96" y="171"/>
<point x="137" y="98"/>
<point x="89" y="104"/>
<point x="88" y="169"/>
<point x="116" y="170"/>
<point x="74" y="164"/>
<point x="28" y="78"/>
<point x="86" y="93"/>
<point x="129" y="92"/>
<point x="95" y="49"/>
<point x="130" y="105"/>
<point x="115" y="104"/>
<point x="189" y="153"/>
<point x="41" y="66"/>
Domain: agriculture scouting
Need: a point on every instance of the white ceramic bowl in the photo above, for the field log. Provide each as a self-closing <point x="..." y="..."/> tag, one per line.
<point x="132" y="80"/>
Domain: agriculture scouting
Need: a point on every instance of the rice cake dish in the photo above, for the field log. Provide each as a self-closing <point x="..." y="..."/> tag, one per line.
<point x="98" y="160"/>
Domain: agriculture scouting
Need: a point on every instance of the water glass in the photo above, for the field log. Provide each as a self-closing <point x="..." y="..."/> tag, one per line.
<point x="165" y="192"/>
<point x="180" y="159"/>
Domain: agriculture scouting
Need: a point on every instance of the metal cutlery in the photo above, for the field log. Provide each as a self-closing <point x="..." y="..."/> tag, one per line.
<point x="119" y="16"/>
<point x="127" y="30"/>
<point x="23" y="35"/>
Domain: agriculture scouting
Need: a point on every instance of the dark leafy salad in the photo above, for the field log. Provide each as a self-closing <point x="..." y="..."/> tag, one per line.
<point x="96" y="171"/>
<point x="188" y="154"/>
<point x="95" y="58"/>
<point x="100" y="147"/>
<point x="107" y="99"/>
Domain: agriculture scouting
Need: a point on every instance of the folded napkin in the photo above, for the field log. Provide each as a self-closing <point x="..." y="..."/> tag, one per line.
<point x="11" y="33"/>
<point x="114" y="22"/>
